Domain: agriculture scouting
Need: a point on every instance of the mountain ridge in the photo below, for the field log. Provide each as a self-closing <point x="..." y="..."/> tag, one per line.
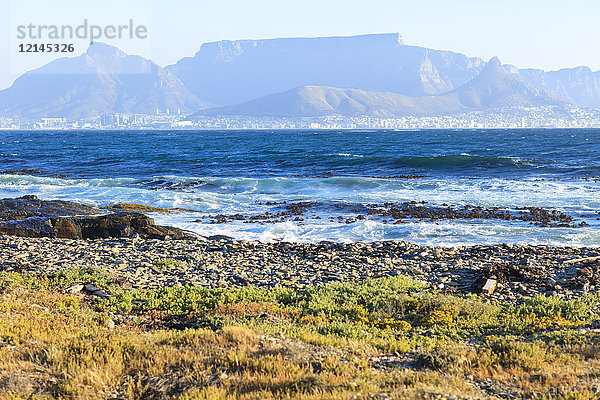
<point x="493" y="88"/>
<point x="102" y="80"/>
<point x="229" y="72"/>
<point x="351" y="71"/>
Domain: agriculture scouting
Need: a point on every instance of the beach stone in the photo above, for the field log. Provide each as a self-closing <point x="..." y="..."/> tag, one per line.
<point x="489" y="286"/>
<point x="29" y="216"/>
<point x="74" y="289"/>
<point x="296" y="265"/>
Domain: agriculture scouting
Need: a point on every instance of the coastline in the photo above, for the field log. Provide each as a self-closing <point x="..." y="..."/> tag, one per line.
<point x="158" y="313"/>
<point x="130" y="318"/>
<point x="519" y="271"/>
<point x="126" y="305"/>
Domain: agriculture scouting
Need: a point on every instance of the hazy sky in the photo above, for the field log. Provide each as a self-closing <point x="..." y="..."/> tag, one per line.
<point x="527" y="33"/>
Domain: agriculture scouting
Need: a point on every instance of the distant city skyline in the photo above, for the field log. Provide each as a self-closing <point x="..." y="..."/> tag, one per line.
<point x="529" y="33"/>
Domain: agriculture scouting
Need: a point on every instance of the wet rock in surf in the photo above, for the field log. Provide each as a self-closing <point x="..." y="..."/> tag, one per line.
<point x="29" y="216"/>
<point x="30" y="206"/>
<point x="163" y="184"/>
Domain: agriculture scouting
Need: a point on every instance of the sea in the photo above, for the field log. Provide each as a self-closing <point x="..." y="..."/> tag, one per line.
<point x="252" y="172"/>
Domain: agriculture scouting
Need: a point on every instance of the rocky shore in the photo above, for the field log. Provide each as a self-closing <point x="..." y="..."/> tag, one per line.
<point x="502" y="272"/>
<point x="29" y="216"/>
<point x="126" y="245"/>
<point x="43" y="236"/>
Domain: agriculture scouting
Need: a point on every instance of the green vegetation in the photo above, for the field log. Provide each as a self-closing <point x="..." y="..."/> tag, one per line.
<point x="168" y="263"/>
<point x="313" y="343"/>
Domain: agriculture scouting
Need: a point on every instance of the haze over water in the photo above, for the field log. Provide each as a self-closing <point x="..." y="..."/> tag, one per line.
<point x="230" y="172"/>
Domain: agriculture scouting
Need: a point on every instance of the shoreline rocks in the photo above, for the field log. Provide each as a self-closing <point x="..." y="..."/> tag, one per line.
<point x="397" y="213"/>
<point x="29" y="216"/>
<point x="513" y="271"/>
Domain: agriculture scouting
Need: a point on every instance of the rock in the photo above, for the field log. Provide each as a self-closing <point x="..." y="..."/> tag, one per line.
<point x="31" y="227"/>
<point x="95" y="291"/>
<point x="66" y="228"/>
<point x="241" y="263"/>
<point x="74" y="289"/>
<point x="217" y="238"/>
<point x="30" y="206"/>
<point x="29" y="216"/>
<point x="40" y="308"/>
<point x="489" y="286"/>
<point x="87" y="289"/>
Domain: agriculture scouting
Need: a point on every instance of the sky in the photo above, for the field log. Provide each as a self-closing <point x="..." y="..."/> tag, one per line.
<point x="527" y="33"/>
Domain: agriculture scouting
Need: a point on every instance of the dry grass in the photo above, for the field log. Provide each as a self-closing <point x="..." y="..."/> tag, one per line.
<point x="55" y="345"/>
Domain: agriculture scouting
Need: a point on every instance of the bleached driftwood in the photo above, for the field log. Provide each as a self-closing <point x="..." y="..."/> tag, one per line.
<point x="576" y="260"/>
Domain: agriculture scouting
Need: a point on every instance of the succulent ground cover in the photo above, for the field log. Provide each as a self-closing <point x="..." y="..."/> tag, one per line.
<point x="382" y="338"/>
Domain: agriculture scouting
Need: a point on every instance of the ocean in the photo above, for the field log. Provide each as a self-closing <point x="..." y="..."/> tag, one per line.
<point x="208" y="173"/>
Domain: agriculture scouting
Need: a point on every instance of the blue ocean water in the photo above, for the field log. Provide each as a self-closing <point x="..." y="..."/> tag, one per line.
<point x="229" y="172"/>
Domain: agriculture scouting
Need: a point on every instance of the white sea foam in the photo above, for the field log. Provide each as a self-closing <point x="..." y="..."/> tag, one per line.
<point x="347" y="155"/>
<point x="210" y="195"/>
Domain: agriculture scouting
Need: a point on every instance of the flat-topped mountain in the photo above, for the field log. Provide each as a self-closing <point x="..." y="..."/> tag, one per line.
<point x="229" y="72"/>
<point x="374" y="75"/>
<point x="103" y="80"/>
<point x="494" y="87"/>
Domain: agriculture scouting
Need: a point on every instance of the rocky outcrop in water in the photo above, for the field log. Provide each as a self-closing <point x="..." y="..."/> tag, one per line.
<point x="29" y="216"/>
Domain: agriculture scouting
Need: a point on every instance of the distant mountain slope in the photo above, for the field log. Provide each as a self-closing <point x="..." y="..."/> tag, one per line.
<point x="230" y="72"/>
<point x="311" y="101"/>
<point x="579" y="86"/>
<point x="494" y="87"/>
<point x="381" y="77"/>
<point x="102" y="80"/>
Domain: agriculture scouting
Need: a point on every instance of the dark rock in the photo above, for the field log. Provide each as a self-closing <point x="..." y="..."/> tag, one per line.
<point x="30" y="217"/>
<point x="31" y="227"/>
<point x="96" y="291"/>
<point x="217" y="238"/>
<point x="66" y="228"/>
<point x="88" y="289"/>
<point x="30" y="206"/>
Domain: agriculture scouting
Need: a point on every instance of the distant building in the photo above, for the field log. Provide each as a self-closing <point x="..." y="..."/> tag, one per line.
<point x="113" y="120"/>
<point x="182" y="124"/>
<point x="139" y="119"/>
<point x="107" y="120"/>
<point x="54" y="122"/>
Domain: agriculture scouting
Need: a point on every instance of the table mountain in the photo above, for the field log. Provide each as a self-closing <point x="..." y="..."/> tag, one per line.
<point x="230" y="72"/>
<point x="494" y="87"/>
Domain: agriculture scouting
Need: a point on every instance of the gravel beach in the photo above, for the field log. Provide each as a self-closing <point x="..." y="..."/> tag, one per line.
<point x="511" y="272"/>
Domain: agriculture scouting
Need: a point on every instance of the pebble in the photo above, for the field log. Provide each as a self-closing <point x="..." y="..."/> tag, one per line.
<point x="520" y="271"/>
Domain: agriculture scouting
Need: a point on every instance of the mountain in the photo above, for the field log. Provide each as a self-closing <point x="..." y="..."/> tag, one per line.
<point x="103" y="80"/>
<point x="579" y="86"/>
<point x="230" y="72"/>
<point x="312" y="101"/>
<point x="497" y="87"/>
<point x="493" y="87"/>
<point x="357" y="75"/>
